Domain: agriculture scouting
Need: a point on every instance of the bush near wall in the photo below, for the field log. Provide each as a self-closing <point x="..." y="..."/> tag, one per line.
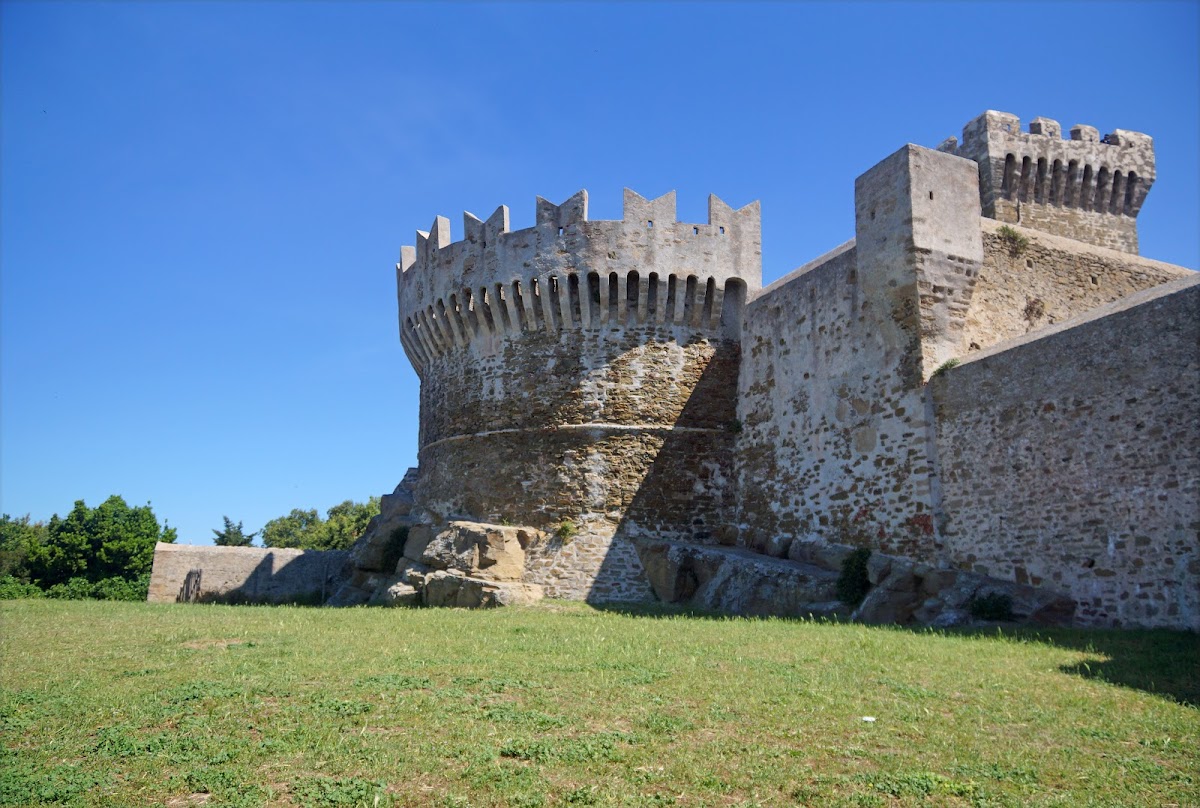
<point x="103" y="553"/>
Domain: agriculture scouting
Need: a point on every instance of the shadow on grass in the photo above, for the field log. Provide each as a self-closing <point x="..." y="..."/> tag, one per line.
<point x="1157" y="661"/>
<point x="1165" y="663"/>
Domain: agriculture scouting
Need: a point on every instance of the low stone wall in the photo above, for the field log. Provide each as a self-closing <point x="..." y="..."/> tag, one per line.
<point x="1072" y="460"/>
<point x="187" y="573"/>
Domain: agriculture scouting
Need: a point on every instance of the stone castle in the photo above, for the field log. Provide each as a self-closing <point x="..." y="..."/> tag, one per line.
<point x="986" y="387"/>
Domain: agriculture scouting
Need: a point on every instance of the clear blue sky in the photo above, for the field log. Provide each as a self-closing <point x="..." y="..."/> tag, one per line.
<point x="202" y="203"/>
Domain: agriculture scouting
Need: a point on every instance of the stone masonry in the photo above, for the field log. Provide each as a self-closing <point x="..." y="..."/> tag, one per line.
<point x="987" y="388"/>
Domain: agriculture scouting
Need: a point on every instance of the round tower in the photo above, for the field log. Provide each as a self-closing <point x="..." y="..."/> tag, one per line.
<point x="580" y="377"/>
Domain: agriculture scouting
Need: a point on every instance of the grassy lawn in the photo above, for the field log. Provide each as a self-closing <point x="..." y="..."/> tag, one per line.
<point x="129" y="704"/>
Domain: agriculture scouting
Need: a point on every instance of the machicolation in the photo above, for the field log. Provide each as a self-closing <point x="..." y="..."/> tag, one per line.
<point x="985" y="397"/>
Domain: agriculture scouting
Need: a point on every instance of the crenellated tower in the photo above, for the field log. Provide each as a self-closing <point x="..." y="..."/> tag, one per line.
<point x="580" y="376"/>
<point x="1088" y="188"/>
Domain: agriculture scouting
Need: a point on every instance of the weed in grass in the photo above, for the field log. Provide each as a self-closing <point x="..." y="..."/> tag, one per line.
<point x="337" y="792"/>
<point x="583" y="749"/>
<point x="917" y="784"/>
<point x="341" y="707"/>
<point x="396" y="681"/>
<point x="583" y="795"/>
<point x="511" y="715"/>
<point x="665" y="724"/>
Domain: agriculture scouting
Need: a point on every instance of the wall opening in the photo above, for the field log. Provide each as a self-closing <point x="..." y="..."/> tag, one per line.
<point x="732" y="308"/>
<point x="519" y="305"/>
<point x="1039" y="188"/>
<point x="573" y="302"/>
<point x="1131" y="182"/>
<point x="1026" y="179"/>
<point x="614" y="292"/>
<point x="1056" y="185"/>
<point x="1006" y="184"/>
<point x="554" y="288"/>
<point x="652" y="295"/>
<point x="631" y="297"/>
<point x="1087" y="189"/>
<point x="535" y="300"/>
<point x="593" y="282"/>
<point x="1072" y="194"/>
<point x="1118" y="192"/>
<point x="689" y="300"/>
<point x="502" y="307"/>
<point x="1101" y="203"/>
<point x="710" y="292"/>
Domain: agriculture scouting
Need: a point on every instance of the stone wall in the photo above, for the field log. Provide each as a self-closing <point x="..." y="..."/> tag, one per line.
<point x="185" y="573"/>
<point x="1086" y="188"/>
<point x="623" y="433"/>
<point x="1048" y="279"/>
<point x="835" y="431"/>
<point x="579" y="377"/>
<point x="827" y="449"/>
<point x="1071" y="460"/>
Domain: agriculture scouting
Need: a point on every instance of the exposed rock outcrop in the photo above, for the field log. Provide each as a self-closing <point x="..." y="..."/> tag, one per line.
<point x="805" y="584"/>
<point x="401" y="562"/>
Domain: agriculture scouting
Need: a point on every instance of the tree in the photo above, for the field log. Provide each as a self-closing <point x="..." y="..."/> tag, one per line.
<point x="346" y="522"/>
<point x="306" y="529"/>
<point x="17" y="537"/>
<point x="111" y="540"/>
<point x="233" y="535"/>
<point x="293" y="530"/>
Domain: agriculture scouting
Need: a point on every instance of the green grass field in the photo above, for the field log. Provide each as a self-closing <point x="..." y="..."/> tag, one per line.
<point x="130" y="704"/>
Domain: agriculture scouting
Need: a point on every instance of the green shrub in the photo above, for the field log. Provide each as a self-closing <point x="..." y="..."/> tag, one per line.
<point x="853" y="584"/>
<point x="73" y="589"/>
<point x="122" y="589"/>
<point x="12" y="588"/>
<point x="1016" y="243"/>
<point x="105" y="589"/>
<point x="993" y="606"/>
<point x="942" y="368"/>
<point x="566" y="530"/>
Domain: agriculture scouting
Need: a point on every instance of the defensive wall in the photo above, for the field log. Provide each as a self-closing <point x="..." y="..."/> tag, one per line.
<point x="1071" y="460"/>
<point x="616" y="410"/>
<point x="844" y="440"/>
<point x="184" y="573"/>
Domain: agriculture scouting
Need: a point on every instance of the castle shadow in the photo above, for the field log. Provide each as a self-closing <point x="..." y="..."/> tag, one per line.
<point x="1161" y="662"/>
<point x="305" y="579"/>
<point x="687" y="489"/>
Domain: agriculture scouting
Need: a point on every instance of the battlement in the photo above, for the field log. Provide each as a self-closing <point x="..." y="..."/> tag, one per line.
<point x="1089" y="188"/>
<point x="645" y="270"/>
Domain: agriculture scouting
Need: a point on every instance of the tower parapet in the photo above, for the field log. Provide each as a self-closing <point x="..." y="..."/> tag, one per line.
<point x="1088" y="188"/>
<point x="567" y="272"/>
